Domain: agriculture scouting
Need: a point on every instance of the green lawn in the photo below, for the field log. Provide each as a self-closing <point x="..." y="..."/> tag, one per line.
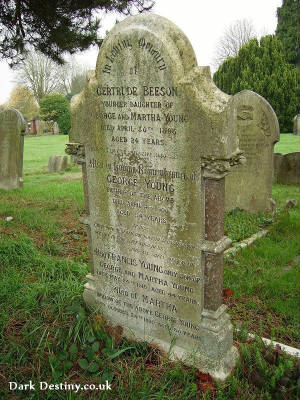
<point x="37" y="151"/>
<point x="46" y="334"/>
<point x="288" y="144"/>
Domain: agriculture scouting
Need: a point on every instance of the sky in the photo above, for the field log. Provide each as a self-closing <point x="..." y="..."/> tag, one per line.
<point x="203" y="22"/>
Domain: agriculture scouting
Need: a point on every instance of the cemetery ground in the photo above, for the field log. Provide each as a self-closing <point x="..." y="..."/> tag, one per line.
<point x="288" y="144"/>
<point x="47" y="335"/>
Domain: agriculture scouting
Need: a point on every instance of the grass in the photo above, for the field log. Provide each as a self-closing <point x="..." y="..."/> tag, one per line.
<point x="288" y="144"/>
<point x="46" y="334"/>
<point x="265" y="276"/>
<point x="240" y="225"/>
<point x="38" y="149"/>
<point x="265" y="282"/>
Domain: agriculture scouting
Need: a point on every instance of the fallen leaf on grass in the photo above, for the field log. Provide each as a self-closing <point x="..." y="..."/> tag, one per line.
<point x="206" y="387"/>
<point x="228" y="293"/>
<point x="204" y="382"/>
<point x="203" y="377"/>
<point x="33" y="278"/>
<point x="149" y="365"/>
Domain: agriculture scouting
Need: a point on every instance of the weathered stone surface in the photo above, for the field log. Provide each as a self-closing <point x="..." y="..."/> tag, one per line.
<point x="249" y="186"/>
<point x="296" y="126"/>
<point x="56" y="129"/>
<point x="41" y="127"/>
<point x="155" y="138"/>
<point x="57" y="163"/>
<point x="78" y="103"/>
<point x="287" y="168"/>
<point x="45" y="128"/>
<point x="292" y="203"/>
<point x="277" y="160"/>
<point x="12" y="130"/>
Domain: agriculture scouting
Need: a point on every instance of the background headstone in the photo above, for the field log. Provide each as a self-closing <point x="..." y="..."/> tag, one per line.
<point x="77" y="103"/>
<point x="41" y="127"/>
<point x="56" y="129"/>
<point x="155" y="138"/>
<point x="12" y="130"/>
<point x="249" y="186"/>
<point x="32" y="127"/>
<point x="287" y="168"/>
<point x="44" y="127"/>
<point x="277" y="165"/>
<point x="57" y="163"/>
<point x="296" y="127"/>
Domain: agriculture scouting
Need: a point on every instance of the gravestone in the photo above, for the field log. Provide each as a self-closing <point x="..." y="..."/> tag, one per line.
<point x="12" y="130"/>
<point x="155" y="138"/>
<point x="287" y="168"/>
<point x="296" y="126"/>
<point x="249" y="186"/>
<point x="56" y="129"/>
<point x="41" y="127"/>
<point x="277" y="161"/>
<point x="57" y="163"/>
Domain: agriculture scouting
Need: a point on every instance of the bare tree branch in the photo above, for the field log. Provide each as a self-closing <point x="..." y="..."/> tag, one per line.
<point x="42" y="75"/>
<point x="39" y="74"/>
<point x="235" y="35"/>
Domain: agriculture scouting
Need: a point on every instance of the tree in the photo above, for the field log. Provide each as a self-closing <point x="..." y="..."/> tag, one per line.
<point x="39" y="74"/>
<point x="77" y="83"/>
<point x="42" y="75"/>
<point x="55" y="107"/>
<point x="234" y="37"/>
<point x="288" y="28"/>
<point x="71" y="77"/>
<point x="55" y="27"/>
<point x="64" y="123"/>
<point x="23" y="100"/>
<point x="262" y="67"/>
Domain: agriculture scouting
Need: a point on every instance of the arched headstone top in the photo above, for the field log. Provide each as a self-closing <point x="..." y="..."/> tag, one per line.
<point x="11" y="113"/>
<point x="149" y="65"/>
<point x="250" y="106"/>
<point x="152" y="36"/>
<point x="249" y="187"/>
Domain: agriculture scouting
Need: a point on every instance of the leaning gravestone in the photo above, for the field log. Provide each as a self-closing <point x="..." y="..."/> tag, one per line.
<point x="155" y="138"/>
<point x="57" y="163"/>
<point x="296" y="126"/>
<point x="12" y="130"/>
<point x="287" y="168"/>
<point x="249" y="186"/>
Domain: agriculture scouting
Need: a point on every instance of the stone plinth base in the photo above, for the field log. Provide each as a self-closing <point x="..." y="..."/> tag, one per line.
<point x="213" y="354"/>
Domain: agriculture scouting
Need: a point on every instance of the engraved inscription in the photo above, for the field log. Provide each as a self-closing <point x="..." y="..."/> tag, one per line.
<point x="146" y="255"/>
